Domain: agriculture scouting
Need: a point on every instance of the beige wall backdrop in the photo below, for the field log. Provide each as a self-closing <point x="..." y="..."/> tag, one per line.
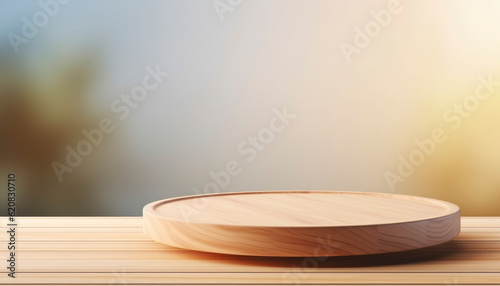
<point x="382" y="96"/>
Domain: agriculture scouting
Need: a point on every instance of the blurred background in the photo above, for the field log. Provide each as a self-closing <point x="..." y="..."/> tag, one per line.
<point x="230" y="65"/>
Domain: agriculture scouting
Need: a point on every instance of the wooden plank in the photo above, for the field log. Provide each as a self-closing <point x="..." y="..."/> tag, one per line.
<point x="139" y="236"/>
<point x="480" y="221"/>
<point x="136" y="222"/>
<point x="140" y="230"/>
<point x="145" y="246"/>
<point x="75" y="222"/>
<point x="123" y="277"/>
<point x="442" y="261"/>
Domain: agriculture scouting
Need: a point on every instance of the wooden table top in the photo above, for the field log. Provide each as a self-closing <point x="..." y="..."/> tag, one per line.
<point x="115" y="251"/>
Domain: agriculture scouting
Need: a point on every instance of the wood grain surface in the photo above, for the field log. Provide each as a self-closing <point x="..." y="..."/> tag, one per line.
<point x="115" y="251"/>
<point x="301" y="223"/>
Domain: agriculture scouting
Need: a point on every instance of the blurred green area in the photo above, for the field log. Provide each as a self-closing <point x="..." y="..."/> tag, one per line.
<point x="41" y="112"/>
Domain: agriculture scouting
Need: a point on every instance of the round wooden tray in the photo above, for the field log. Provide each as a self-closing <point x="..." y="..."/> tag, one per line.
<point x="301" y="223"/>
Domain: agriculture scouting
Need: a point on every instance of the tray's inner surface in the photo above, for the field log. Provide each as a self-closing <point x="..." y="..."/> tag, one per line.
<point x="303" y="209"/>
